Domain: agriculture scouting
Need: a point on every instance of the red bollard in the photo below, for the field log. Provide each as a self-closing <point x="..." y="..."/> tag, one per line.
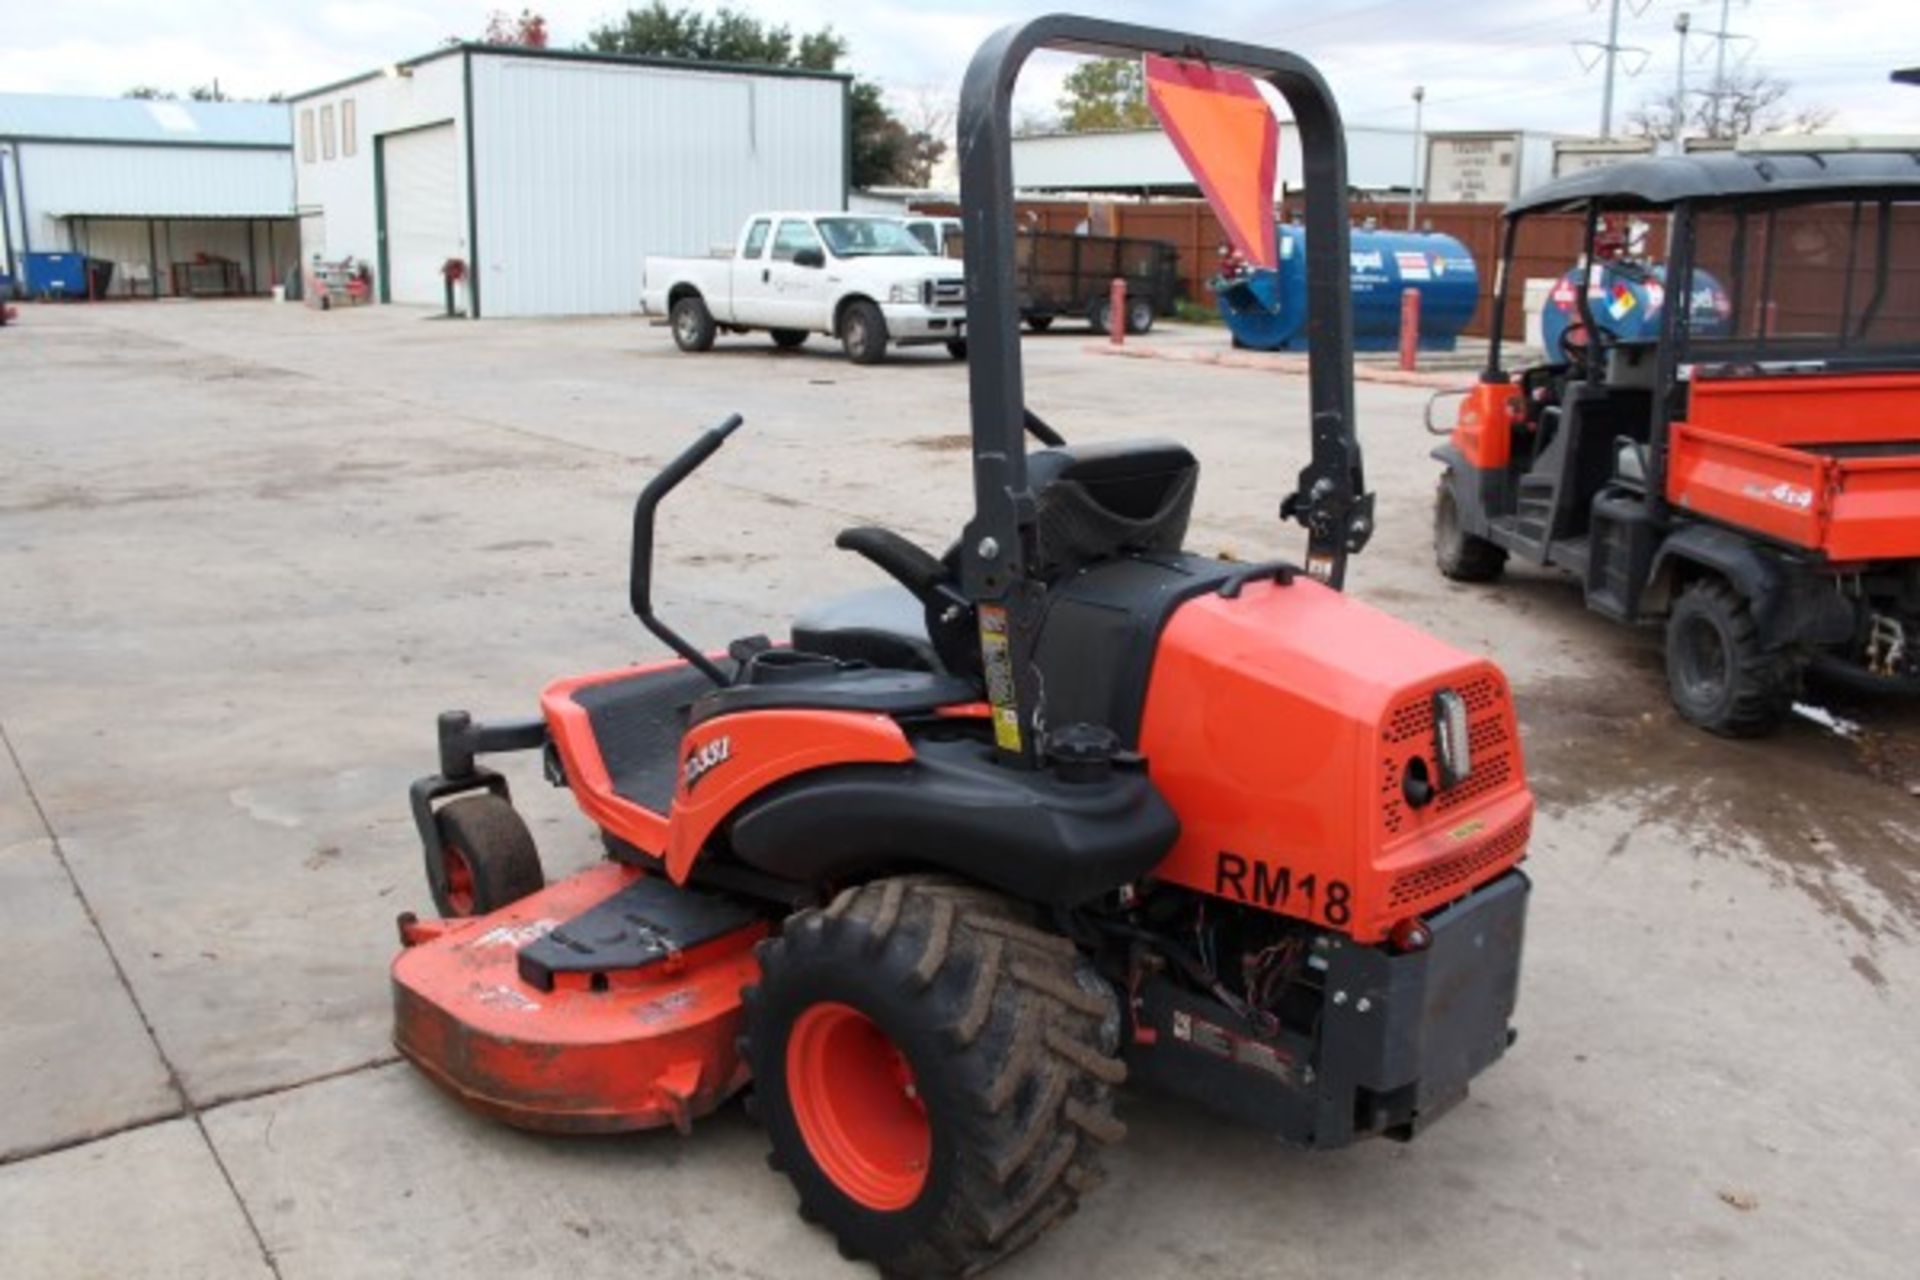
<point x="1117" y="311"/>
<point x="1409" y="329"/>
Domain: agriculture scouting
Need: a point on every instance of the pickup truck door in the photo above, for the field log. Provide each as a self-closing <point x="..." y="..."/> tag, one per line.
<point x="801" y="295"/>
<point x="752" y="283"/>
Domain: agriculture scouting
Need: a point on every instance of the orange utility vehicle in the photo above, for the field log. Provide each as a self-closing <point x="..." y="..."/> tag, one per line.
<point x="1751" y="473"/>
<point x="1067" y="806"/>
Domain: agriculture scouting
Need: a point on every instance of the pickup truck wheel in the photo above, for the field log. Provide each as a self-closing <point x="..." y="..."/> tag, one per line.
<point x="957" y="348"/>
<point x="863" y="332"/>
<point x="693" y="326"/>
<point x="788" y="339"/>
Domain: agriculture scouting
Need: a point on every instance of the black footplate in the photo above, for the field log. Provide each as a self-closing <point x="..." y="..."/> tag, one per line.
<point x="645" y="923"/>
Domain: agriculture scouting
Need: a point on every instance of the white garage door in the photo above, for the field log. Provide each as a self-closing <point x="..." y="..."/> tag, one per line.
<point x="423" y="182"/>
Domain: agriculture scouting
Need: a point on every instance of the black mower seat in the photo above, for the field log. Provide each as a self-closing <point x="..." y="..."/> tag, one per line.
<point x="883" y="626"/>
<point x="1097" y="501"/>
<point x="831" y="688"/>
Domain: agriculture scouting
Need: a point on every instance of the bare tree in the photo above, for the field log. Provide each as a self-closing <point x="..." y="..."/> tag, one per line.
<point x="1749" y="102"/>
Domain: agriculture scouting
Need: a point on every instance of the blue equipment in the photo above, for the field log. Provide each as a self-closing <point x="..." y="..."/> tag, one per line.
<point x="1267" y="310"/>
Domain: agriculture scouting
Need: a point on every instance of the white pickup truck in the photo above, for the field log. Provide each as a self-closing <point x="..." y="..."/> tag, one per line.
<point x="861" y="278"/>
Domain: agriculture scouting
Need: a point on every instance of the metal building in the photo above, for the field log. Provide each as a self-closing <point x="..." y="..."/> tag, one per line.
<point x="551" y="175"/>
<point x="1144" y="162"/>
<point x="182" y="197"/>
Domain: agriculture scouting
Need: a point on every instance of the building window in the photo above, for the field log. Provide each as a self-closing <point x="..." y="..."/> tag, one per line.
<point x="326" y="132"/>
<point x="349" y="142"/>
<point x="306" y="135"/>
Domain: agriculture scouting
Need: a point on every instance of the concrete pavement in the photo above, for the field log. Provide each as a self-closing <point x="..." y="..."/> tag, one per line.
<point x="247" y="552"/>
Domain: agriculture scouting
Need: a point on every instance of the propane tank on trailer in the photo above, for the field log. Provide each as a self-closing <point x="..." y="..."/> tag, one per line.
<point x="1267" y="310"/>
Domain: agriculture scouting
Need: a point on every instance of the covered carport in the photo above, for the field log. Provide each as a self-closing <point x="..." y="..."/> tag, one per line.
<point x="159" y="256"/>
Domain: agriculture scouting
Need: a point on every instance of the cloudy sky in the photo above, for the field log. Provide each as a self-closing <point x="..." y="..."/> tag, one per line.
<point x="1485" y="64"/>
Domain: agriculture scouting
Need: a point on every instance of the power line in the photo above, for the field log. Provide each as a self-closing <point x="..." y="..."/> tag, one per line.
<point x="1610" y="53"/>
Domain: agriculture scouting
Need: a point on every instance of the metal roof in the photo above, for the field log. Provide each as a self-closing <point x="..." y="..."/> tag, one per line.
<point x="1669" y="179"/>
<point x="147" y="122"/>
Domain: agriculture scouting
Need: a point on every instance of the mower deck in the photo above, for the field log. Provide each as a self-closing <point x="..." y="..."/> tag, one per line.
<point x="606" y="1002"/>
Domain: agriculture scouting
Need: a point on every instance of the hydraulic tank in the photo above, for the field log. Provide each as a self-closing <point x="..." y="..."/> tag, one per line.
<point x="1626" y="299"/>
<point x="1267" y="310"/>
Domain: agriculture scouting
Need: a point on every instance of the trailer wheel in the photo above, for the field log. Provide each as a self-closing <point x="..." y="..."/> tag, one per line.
<point x="1039" y="324"/>
<point x="1460" y="555"/>
<point x="487" y="858"/>
<point x="936" y="1073"/>
<point x="693" y="326"/>
<point x="1100" y="315"/>
<point x="1139" y="316"/>
<point x="863" y="332"/>
<point x="1720" y="675"/>
<point x="789" y="339"/>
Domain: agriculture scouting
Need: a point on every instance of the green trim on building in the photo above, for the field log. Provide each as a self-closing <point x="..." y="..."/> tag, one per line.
<point x="473" y="207"/>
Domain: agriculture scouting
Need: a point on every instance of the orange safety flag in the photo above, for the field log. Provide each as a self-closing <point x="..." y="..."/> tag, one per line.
<point x="1226" y="134"/>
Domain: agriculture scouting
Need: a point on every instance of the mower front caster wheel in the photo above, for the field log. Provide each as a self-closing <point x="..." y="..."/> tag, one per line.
<point x="935" y="1071"/>
<point x="487" y="858"/>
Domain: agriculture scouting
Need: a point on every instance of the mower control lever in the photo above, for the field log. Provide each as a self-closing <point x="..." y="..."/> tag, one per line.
<point x="640" y="584"/>
<point x="912" y="567"/>
<point x="1037" y="428"/>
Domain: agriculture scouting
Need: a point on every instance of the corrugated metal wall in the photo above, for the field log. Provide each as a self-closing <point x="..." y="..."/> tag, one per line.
<point x="582" y="169"/>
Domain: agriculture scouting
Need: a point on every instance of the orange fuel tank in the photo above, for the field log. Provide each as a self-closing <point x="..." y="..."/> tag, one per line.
<point x="1283" y="726"/>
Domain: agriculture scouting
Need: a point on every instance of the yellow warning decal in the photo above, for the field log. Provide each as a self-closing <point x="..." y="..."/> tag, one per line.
<point x="996" y="656"/>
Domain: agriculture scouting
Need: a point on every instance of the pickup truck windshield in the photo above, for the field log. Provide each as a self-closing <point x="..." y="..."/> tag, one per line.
<point x="870" y="238"/>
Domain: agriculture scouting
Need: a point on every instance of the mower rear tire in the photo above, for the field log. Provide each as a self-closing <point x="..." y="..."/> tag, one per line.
<point x="789" y="339"/>
<point x="1460" y="555"/>
<point x="936" y="1072"/>
<point x="487" y="858"/>
<point x="692" y="324"/>
<point x="863" y="332"/>
<point x="1721" y="677"/>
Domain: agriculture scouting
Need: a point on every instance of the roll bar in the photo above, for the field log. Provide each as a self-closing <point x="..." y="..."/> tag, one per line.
<point x="1330" y="496"/>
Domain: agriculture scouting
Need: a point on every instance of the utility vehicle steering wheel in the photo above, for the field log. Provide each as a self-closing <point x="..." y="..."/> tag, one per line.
<point x="1582" y="355"/>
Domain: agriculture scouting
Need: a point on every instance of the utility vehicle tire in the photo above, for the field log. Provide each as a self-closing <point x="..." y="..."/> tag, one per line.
<point x="1139" y="316"/>
<point x="692" y="324"/>
<point x="1460" y="555"/>
<point x="863" y="332"/>
<point x="935" y="1071"/>
<point x="488" y="858"/>
<point x="789" y="339"/>
<point x="1039" y="324"/>
<point x="1719" y="674"/>
<point x="957" y="348"/>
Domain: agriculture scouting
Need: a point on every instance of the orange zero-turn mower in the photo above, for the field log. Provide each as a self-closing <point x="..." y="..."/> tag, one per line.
<point x="1068" y="807"/>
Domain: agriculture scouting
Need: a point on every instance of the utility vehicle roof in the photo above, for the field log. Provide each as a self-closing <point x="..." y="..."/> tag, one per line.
<point x="1653" y="183"/>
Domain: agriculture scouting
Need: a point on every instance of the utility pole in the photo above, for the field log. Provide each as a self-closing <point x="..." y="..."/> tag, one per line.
<point x="1609" y="54"/>
<point x="1413" y="187"/>
<point x="1680" y="24"/>
<point x="1613" y="51"/>
<point x="1718" y="119"/>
